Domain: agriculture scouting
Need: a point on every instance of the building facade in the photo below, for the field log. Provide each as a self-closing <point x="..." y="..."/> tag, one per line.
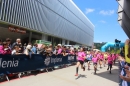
<point x="124" y="15"/>
<point x="58" y="21"/>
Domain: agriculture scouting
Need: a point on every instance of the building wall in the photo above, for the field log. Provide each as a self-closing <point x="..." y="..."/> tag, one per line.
<point x="124" y="15"/>
<point x="60" y="18"/>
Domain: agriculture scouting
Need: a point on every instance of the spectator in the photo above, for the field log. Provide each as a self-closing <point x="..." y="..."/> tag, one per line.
<point x="126" y="78"/>
<point x="59" y="49"/>
<point x="34" y="48"/>
<point x="20" y="48"/>
<point x="41" y="50"/>
<point x="64" y="53"/>
<point x="72" y="48"/>
<point x="24" y="47"/>
<point x="55" y="50"/>
<point x="64" y="48"/>
<point x="17" y="43"/>
<point x="49" y="50"/>
<point x="46" y="47"/>
<point x="28" y="51"/>
<point x="127" y="52"/>
<point x="8" y="40"/>
<point x="67" y="50"/>
<point x="6" y="48"/>
<point x="71" y="52"/>
<point x="15" y="51"/>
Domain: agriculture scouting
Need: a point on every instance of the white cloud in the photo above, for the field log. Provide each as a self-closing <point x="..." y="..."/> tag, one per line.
<point x="108" y="12"/>
<point x="89" y="10"/>
<point x="102" y="21"/>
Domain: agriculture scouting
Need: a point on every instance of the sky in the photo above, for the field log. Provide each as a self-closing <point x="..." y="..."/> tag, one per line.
<point x="103" y="14"/>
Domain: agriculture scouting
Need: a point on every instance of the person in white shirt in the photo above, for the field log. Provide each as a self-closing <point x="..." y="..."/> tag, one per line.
<point x="15" y="51"/>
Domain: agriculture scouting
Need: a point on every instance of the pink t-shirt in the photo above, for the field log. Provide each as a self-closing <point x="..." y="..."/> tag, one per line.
<point x="101" y="57"/>
<point x="98" y="55"/>
<point x="117" y="55"/>
<point x="81" y="56"/>
<point x="114" y="57"/>
<point x="4" y="51"/>
<point x="72" y="52"/>
<point x="95" y="59"/>
<point x="110" y="60"/>
<point x="59" y="51"/>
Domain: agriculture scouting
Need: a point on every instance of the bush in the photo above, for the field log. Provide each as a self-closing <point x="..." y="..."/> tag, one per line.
<point x="117" y="51"/>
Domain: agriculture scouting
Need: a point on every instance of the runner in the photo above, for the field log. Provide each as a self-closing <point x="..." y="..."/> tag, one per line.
<point x="105" y="58"/>
<point x="110" y="62"/>
<point x="100" y="59"/>
<point x="114" y="58"/>
<point x="88" y="59"/>
<point x="95" y="60"/>
<point x="97" y="55"/>
<point x="81" y="58"/>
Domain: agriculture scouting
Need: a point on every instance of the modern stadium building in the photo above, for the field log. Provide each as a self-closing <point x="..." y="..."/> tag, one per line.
<point x="57" y="21"/>
<point x="124" y="15"/>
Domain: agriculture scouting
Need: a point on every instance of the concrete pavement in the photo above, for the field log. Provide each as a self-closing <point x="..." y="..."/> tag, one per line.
<point x="65" y="77"/>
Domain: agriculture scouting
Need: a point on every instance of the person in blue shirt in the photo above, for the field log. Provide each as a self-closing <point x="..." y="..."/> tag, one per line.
<point x="88" y="59"/>
<point x="34" y="49"/>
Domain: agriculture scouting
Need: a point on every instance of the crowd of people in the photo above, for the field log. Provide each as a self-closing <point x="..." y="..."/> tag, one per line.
<point x="16" y="48"/>
<point x="97" y="58"/>
<point x="84" y="57"/>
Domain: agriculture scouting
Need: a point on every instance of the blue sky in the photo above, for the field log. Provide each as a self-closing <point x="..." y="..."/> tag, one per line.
<point x="103" y="14"/>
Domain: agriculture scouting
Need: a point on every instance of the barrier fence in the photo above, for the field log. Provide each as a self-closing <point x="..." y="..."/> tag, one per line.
<point x="22" y="63"/>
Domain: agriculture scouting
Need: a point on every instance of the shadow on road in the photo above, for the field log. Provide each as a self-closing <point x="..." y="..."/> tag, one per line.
<point x="114" y="76"/>
<point x="81" y="76"/>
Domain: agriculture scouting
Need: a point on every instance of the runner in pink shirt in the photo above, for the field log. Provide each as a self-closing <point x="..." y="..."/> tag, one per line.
<point x="95" y="61"/>
<point x="114" y="58"/>
<point x="117" y="56"/>
<point x="110" y="62"/>
<point x="81" y="57"/>
<point x="100" y="58"/>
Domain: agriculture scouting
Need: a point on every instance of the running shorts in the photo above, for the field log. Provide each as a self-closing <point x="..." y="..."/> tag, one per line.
<point x="81" y="62"/>
<point x="86" y="60"/>
<point x="94" y="63"/>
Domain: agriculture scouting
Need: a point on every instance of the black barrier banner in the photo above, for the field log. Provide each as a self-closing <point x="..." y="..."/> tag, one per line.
<point x="22" y="63"/>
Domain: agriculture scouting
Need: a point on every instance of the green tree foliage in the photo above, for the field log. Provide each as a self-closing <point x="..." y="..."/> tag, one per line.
<point x="112" y="50"/>
<point x="99" y="45"/>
